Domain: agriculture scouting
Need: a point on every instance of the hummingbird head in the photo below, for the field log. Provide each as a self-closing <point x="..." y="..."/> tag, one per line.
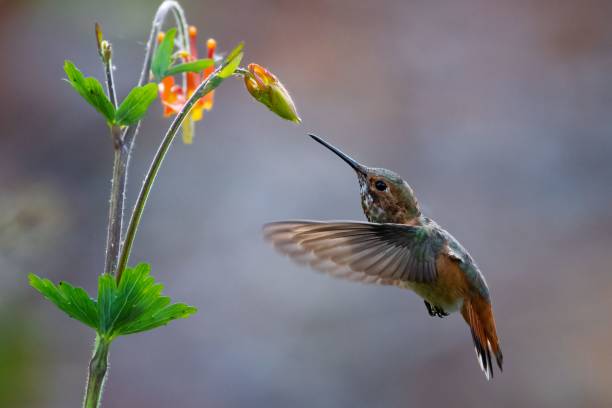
<point x="385" y="196"/>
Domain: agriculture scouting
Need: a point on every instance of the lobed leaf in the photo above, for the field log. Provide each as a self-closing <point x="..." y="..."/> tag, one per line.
<point x="106" y="296"/>
<point x="161" y="317"/>
<point x="135" y="305"/>
<point x="136" y="104"/>
<point x="91" y="90"/>
<point x="73" y="301"/>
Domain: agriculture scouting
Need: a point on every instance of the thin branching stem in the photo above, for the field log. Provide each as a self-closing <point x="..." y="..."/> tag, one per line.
<point x="110" y="81"/>
<point x="123" y="143"/>
<point x="115" y="212"/>
<point x="116" y="207"/>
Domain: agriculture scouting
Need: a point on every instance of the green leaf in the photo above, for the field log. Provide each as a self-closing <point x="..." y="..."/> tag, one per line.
<point x="136" y="104"/>
<point x="234" y="53"/>
<point x="106" y="296"/>
<point x="232" y="61"/>
<point x="135" y="305"/>
<point x="163" y="55"/>
<point x="193" y="66"/>
<point x="73" y="301"/>
<point x="161" y="317"/>
<point x="91" y="90"/>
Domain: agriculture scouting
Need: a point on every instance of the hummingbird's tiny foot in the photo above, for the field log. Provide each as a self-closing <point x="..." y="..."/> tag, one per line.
<point x="438" y="311"/>
<point x="430" y="310"/>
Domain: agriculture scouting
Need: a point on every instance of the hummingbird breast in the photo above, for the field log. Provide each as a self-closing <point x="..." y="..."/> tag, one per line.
<point x="448" y="291"/>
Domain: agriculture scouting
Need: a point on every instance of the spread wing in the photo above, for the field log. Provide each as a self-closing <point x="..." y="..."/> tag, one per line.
<point x="368" y="252"/>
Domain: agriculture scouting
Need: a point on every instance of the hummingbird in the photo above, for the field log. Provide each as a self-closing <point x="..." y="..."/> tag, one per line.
<point x="398" y="246"/>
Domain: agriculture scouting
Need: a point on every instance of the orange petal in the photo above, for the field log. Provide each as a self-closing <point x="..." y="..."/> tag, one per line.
<point x="165" y="88"/>
<point x="193" y="81"/>
<point x="168" y="111"/>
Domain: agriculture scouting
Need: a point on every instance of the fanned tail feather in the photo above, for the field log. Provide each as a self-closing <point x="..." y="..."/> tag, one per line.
<point x="479" y="316"/>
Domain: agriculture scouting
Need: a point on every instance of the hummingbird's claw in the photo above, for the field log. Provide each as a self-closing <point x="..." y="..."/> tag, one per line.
<point x="429" y="308"/>
<point x="440" y="312"/>
<point x="435" y="310"/>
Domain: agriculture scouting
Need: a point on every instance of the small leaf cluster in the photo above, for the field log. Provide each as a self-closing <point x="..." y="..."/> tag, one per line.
<point x="163" y="63"/>
<point x="134" y="305"/>
<point x="130" y="111"/>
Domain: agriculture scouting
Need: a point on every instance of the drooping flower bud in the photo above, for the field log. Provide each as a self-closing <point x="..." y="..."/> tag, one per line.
<point x="267" y="89"/>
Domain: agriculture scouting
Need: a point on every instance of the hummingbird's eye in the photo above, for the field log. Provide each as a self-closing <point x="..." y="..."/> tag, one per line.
<point x="380" y="185"/>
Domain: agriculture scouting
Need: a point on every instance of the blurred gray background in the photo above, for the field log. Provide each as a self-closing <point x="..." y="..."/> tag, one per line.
<point x="499" y="114"/>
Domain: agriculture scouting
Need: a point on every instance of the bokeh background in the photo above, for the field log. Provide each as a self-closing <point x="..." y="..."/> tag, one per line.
<point x="499" y="114"/>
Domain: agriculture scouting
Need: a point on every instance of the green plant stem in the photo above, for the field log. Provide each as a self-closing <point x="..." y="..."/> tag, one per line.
<point x="205" y="87"/>
<point x="123" y="142"/>
<point x="118" y="183"/>
<point x="242" y="72"/>
<point x="110" y="82"/>
<point x="97" y="373"/>
<point x="117" y="203"/>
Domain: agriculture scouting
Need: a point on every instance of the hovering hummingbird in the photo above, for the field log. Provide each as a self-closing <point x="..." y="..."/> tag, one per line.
<point x="400" y="247"/>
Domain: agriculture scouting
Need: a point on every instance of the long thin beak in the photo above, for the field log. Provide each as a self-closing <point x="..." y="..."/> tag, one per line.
<point x="359" y="168"/>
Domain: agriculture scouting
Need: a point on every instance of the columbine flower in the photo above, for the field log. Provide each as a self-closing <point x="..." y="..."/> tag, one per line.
<point x="173" y="96"/>
<point x="267" y="89"/>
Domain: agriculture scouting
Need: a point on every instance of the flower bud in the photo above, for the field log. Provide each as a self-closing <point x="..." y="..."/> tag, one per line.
<point x="106" y="51"/>
<point x="104" y="47"/>
<point x="267" y="89"/>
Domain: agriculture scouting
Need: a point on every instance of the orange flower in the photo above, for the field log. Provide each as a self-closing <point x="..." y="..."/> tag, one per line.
<point x="173" y="96"/>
